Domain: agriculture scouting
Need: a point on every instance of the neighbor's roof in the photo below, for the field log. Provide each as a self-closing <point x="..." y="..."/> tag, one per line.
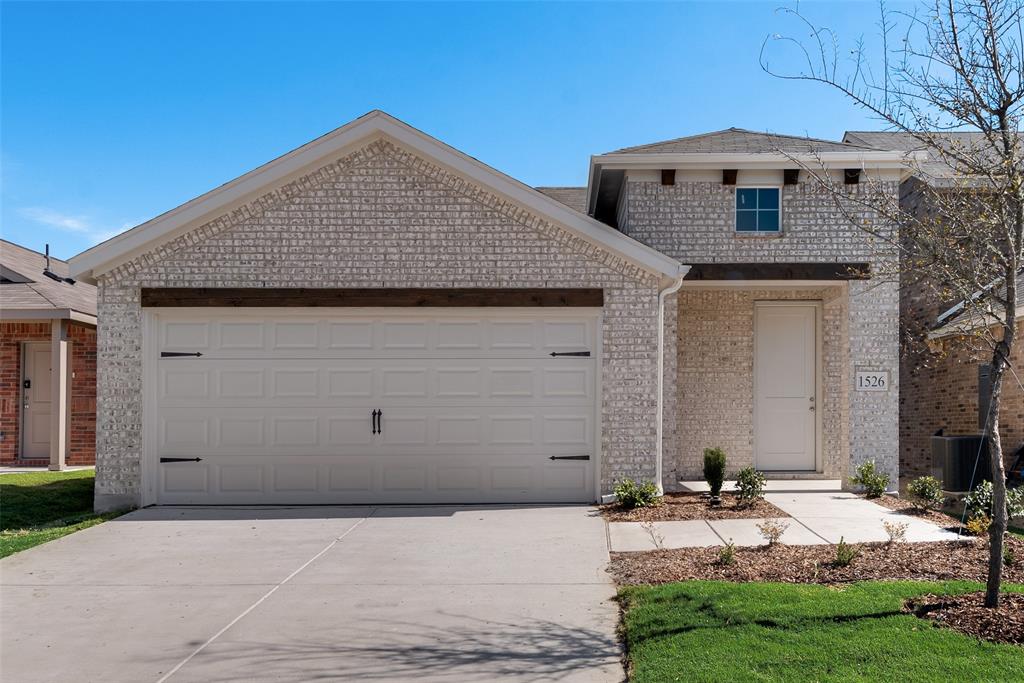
<point x="573" y="197"/>
<point x="741" y="141"/>
<point x="354" y="135"/>
<point x="958" y="319"/>
<point x="931" y="165"/>
<point x="26" y="292"/>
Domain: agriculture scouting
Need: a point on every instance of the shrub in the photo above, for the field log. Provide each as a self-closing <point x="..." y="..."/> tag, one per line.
<point x="714" y="470"/>
<point x="1009" y="556"/>
<point x="926" y="493"/>
<point x="727" y="555"/>
<point x="749" y="486"/>
<point x="979" y="501"/>
<point x="633" y="495"/>
<point x="771" y="530"/>
<point x="873" y="482"/>
<point x="845" y="553"/>
<point x="897" y="531"/>
<point x="978" y="526"/>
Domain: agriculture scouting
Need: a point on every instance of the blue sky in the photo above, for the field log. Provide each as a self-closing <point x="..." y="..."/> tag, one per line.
<point x="115" y="112"/>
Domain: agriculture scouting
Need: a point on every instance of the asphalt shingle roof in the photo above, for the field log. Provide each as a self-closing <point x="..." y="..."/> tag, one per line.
<point x="573" y="197"/>
<point x="739" y="140"/>
<point x="41" y="292"/>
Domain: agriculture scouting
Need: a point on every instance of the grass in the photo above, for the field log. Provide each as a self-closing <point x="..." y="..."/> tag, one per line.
<point x="37" y="507"/>
<point x="717" y="631"/>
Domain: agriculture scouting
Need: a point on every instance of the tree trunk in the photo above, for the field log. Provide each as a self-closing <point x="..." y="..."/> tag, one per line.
<point x="997" y="530"/>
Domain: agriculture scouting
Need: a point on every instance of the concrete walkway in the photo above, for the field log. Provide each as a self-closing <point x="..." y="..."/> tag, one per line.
<point x="815" y="518"/>
<point x="300" y="594"/>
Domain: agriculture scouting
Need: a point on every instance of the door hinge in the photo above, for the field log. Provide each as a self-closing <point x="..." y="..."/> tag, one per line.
<point x="579" y="354"/>
<point x="178" y="354"/>
<point x="569" y="457"/>
<point x="180" y="459"/>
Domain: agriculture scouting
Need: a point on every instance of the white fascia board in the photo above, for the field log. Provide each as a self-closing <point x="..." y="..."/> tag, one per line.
<point x="772" y="160"/>
<point x="118" y="250"/>
<point x="23" y="314"/>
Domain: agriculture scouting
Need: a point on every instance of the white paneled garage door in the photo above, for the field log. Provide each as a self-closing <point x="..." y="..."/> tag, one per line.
<point x="372" y="406"/>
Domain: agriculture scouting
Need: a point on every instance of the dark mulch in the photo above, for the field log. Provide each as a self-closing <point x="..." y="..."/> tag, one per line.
<point x="905" y="507"/>
<point x="687" y="506"/>
<point x="966" y="613"/>
<point x="938" y="561"/>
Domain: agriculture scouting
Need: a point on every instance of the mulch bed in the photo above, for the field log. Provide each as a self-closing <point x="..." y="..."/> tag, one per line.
<point x="967" y="614"/>
<point x="938" y="561"/>
<point x="905" y="507"/>
<point x="690" y="506"/>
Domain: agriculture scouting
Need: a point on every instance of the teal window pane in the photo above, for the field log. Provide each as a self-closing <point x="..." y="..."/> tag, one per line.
<point x="746" y="221"/>
<point x="768" y="198"/>
<point x="768" y="221"/>
<point x="746" y="199"/>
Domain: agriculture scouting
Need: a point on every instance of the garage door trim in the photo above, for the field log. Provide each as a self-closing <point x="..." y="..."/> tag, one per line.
<point x="149" y="467"/>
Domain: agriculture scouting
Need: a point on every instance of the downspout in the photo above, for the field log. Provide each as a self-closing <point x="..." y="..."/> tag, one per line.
<point x="659" y="419"/>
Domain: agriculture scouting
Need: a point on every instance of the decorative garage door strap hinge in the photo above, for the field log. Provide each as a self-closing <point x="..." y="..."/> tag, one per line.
<point x="178" y="354"/>
<point x="580" y="354"/>
<point x="569" y="457"/>
<point x="180" y="459"/>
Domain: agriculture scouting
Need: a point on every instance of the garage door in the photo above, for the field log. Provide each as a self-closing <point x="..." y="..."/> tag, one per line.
<point x="357" y="406"/>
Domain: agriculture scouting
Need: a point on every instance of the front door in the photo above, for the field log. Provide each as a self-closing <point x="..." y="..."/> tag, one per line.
<point x="785" y="383"/>
<point x="35" y="401"/>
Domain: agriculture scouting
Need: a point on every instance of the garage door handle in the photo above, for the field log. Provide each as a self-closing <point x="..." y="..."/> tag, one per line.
<point x="373" y="421"/>
<point x="180" y="459"/>
<point x="178" y="354"/>
<point x="569" y="457"/>
<point x="579" y="354"/>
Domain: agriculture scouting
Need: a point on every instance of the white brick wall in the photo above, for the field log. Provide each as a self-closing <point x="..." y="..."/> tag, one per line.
<point x="381" y="217"/>
<point x="693" y="221"/>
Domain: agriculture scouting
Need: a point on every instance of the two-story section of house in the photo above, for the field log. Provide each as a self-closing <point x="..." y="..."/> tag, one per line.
<point x="782" y="344"/>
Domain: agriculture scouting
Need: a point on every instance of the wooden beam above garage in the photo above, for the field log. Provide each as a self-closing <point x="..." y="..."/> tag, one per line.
<point x="383" y="297"/>
<point x="779" y="271"/>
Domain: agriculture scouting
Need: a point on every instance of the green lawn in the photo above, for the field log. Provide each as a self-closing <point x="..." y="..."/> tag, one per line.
<point x="38" y="507"/>
<point x="717" y="631"/>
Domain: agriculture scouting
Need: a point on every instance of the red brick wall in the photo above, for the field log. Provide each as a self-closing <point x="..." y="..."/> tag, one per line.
<point x="82" y="427"/>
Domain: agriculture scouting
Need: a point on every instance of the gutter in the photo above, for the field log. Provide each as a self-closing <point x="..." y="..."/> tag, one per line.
<point x="659" y="420"/>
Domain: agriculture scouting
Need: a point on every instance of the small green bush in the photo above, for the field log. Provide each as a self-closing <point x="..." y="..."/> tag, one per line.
<point x="873" y="482"/>
<point x="714" y="470"/>
<point x="978" y="525"/>
<point x="926" y="493"/>
<point x="633" y="495"/>
<point x="727" y="555"/>
<point x="979" y="501"/>
<point x="845" y="553"/>
<point x="749" y="486"/>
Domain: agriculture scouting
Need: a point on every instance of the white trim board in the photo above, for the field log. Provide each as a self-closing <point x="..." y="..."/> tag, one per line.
<point x="104" y="257"/>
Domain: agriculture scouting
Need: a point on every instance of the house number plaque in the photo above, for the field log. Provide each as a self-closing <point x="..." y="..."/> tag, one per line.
<point x="871" y="380"/>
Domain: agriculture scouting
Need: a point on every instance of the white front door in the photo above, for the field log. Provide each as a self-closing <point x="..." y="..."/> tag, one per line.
<point x="374" y="406"/>
<point x="785" y="384"/>
<point x="35" y="401"/>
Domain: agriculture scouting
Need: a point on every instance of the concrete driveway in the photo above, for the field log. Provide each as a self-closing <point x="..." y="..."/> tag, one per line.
<point x="290" y="594"/>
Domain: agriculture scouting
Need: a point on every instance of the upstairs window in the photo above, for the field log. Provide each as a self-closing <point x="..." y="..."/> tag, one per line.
<point x="757" y="209"/>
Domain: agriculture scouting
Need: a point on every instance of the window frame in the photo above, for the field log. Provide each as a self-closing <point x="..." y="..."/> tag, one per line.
<point x="736" y="210"/>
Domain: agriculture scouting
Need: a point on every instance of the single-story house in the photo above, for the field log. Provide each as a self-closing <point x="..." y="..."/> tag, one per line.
<point x="377" y="317"/>
<point x="47" y="362"/>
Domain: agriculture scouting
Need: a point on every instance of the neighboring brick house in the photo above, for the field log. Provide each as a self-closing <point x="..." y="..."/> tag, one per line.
<point x="47" y="320"/>
<point x="941" y="378"/>
<point x="376" y="317"/>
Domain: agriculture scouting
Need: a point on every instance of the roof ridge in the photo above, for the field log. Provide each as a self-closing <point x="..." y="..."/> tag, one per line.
<point x="735" y="129"/>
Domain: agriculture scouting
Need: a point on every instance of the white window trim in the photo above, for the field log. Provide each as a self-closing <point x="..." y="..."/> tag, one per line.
<point x="735" y="211"/>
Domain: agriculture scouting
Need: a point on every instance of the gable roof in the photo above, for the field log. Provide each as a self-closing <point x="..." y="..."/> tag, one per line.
<point x="26" y="292"/>
<point x="573" y="197"/>
<point x="740" y="140"/>
<point x="146" y="237"/>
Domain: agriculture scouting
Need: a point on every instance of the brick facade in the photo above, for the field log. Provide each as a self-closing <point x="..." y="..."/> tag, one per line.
<point x="382" y="217"/>
<point x="82" y="414"/>
<point x="693" y="221"/>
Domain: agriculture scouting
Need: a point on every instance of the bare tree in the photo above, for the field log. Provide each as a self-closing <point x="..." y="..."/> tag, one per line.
<point x="946" y="68"/>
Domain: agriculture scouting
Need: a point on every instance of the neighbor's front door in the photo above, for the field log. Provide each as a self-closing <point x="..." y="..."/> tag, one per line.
<point x="785" y="382"/>
<point x="35" y="402"/>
